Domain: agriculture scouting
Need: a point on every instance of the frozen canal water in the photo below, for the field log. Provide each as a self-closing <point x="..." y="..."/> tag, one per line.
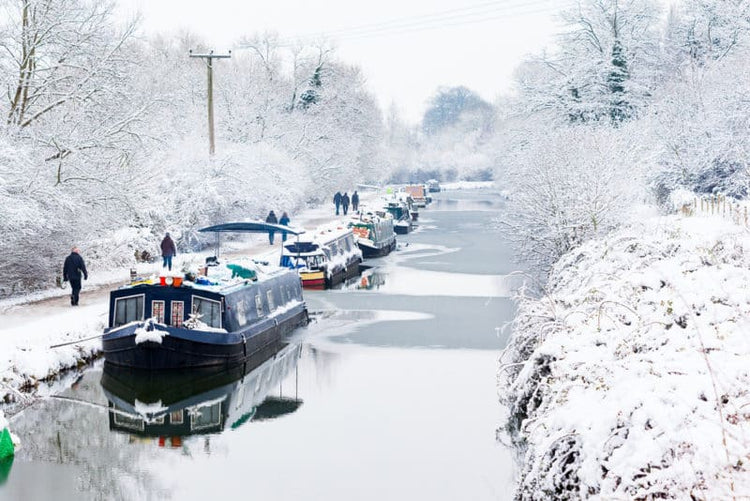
<point x="389" y="394"/>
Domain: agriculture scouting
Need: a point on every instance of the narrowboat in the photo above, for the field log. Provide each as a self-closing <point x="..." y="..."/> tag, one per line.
<point x="417" y="194"/>
<point x="205" y="400"/>
<point x="323" y="258"/>
<point x="219" y="316"/>
<point x="433" y="186"/>
<point x="402" y="221"/>
<point x="374" y="234"/>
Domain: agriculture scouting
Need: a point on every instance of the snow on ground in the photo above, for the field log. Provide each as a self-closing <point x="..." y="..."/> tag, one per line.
<point x="33" y="325"/>
<point x="629" y="378"/>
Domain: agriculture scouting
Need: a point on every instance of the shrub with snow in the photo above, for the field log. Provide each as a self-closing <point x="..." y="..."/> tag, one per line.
<point x="628" y="379"/>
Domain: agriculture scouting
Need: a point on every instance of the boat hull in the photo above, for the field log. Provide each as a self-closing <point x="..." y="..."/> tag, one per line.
<point x="313" y="280"/>
<point x="402" y="229"/>
<point x="371" y="251"/>
<point x="184" y="348"/>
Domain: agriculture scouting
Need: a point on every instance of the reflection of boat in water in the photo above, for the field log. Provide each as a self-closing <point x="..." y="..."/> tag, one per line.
<point x="371" y="280"/>
<point x="199" y="401"/>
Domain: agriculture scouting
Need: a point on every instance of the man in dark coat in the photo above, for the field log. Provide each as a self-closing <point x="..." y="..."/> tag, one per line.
<point x="345" y="203"/>
<point x="355" y="201"/>
<point x="337" y="201"/>
<point x="168" y="251"/>
<point x="72" y="269"/>
<point x="271" y="219"/>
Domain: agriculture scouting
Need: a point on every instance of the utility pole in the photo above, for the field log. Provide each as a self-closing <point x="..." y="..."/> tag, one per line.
<point x="209" y="65"/>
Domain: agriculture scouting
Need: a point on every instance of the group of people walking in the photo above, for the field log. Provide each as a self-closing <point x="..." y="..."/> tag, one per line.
<point x="284" y="221"/>
<point x="342" y="202"/>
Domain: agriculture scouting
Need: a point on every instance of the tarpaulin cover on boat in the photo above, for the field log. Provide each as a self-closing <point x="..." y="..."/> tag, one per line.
<point x="250" y="227"/>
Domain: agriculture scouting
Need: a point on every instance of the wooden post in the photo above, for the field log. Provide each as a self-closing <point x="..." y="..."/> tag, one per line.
<point x="209" y="66"/>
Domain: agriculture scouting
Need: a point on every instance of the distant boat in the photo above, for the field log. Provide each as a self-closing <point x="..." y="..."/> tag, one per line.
<point x="217" y="318"/>
<point x="205" y="400"/>
<point x="324" y="257"/>
<point x="433" y="186"/>
<point x="374" y="234"/>
<point x="402" y="220"/>
<point x="417" y="194"/>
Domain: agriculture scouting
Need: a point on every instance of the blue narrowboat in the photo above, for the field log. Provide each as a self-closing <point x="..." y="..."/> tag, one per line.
<point x="219" y="318"/>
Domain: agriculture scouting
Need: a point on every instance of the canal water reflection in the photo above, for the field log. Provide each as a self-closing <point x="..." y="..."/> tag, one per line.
<point x="390" y="393"/>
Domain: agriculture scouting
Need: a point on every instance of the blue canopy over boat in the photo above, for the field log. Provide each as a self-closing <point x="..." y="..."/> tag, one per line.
<point x="250" y="227"/>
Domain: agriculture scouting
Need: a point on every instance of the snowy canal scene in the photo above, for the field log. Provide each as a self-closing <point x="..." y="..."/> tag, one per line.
<point x="492" y="251"/>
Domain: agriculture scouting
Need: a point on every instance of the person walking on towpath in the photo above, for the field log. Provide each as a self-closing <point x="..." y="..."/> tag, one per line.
<point x="271" y="219"/>
<point x="337" y="201"/>
<point x="72" y="269"/>
<point x="284" y="221"/>
<point x="355" y="201"/>
<point x="168" y="251"/>
<point x="345" y="203"/>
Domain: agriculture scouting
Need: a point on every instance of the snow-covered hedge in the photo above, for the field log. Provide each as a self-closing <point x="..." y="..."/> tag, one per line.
<point x="629" y="378"/>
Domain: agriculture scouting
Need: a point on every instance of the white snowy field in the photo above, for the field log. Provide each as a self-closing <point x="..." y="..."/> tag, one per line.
<point x="629" y="378"/>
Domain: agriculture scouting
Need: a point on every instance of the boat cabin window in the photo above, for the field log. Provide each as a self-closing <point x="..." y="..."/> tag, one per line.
<point x="178" y="313"/>
<point x="258" y="305"/>
<point x="176" y="417"/>
<point x="269" y="296"/>
<point x="208" y="310"/>
<point x="127" y="421"/>
<point x="347" y="244"/>
<point x="128" y="309"/>
<point x="208" y="416"/>
<point x="157" y="311"/>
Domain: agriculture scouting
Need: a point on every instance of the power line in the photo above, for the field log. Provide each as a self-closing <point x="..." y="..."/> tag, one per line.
<point x="449" y="18"/>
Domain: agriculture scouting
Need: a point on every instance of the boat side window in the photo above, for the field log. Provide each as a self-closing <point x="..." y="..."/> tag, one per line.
<point x="269" y="296"/>
<point x="347" y="244"/>
<point x="128" y="309"/>
<point x="157" y="311"/>
<point x="128" y="421"/>
<point x="176" y="417"/>
<point x="239" y="311"/>
<point x="178" y="313"/>
<point x="258" y="305"/>
<point x="207" y="416"/>
<point x="209" y="311"/>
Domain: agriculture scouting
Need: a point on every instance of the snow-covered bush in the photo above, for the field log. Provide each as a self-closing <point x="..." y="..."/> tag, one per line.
<point x="628" y="379"/>
<point x="568" y="184"/>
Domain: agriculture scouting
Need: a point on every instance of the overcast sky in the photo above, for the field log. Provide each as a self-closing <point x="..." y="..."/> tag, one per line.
<point x="407" y="49"/>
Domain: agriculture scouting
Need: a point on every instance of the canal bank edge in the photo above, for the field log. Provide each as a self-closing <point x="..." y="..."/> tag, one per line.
<point x="629" y="379"/>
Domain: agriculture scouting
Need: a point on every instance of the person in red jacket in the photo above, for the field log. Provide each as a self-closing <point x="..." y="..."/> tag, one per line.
<point x="168" y="251"/>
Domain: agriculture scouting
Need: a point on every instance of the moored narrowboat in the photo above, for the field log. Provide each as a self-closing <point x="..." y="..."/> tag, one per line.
<point x="374" y="234"/>
<point x="323" y="258"/>
<point x="217" y="319"/>
<point x="417" y="194"/>
<point x="402" y="221"/>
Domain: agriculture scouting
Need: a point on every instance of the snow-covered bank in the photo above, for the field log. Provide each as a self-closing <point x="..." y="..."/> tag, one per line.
<point x="629" y="379"/>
